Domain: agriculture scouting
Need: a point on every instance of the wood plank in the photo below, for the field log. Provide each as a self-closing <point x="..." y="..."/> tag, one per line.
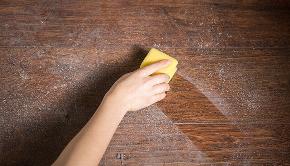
<point x="230" y="95"/>
<point x="151" y="139"/>
<point x="102" y="24"/>
<point x="208" y="114"/>
<point x="247" y="143"/>
<point x="242" y="85"/>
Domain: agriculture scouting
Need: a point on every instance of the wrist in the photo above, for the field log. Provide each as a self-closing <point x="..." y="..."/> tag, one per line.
<point x="111" y="103"/>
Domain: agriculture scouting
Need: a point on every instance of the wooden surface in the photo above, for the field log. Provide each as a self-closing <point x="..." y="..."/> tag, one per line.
<point x="230" y="99"/>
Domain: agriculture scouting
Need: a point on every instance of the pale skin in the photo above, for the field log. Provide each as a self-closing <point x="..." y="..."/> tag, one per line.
<point x="132" y="92"/>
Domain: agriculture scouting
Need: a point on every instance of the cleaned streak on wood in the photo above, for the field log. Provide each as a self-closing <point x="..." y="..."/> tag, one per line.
<point x="230" y="98"/>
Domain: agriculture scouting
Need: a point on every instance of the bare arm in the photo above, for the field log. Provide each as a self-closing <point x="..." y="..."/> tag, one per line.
<point x="132" y="92"/>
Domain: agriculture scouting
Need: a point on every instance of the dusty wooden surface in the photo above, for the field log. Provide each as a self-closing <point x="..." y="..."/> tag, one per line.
<point x="230" y="99"/>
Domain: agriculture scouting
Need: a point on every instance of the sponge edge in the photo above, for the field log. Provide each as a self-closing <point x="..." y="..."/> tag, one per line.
<point x="154" y="56"/>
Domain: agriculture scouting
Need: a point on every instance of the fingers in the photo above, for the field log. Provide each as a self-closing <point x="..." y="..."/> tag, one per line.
<point x="160" y="88"/>
<point x="158" y="79"/>
<point x="158" y="97"/>
<point x="150" y="69"/>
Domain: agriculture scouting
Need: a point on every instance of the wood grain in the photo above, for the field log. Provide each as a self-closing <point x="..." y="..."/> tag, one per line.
<point x="229" y="102"/>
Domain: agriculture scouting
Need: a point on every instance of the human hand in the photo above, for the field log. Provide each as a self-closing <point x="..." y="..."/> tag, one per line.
<point x="138" y="89"/>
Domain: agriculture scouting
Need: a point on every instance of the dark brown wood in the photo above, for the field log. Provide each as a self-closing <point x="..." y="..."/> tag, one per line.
<point x="229" y="102"/>
<point x="243" y="136"/>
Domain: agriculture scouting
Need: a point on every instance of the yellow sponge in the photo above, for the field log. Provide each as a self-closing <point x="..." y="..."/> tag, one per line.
<point x="155" y="55"/>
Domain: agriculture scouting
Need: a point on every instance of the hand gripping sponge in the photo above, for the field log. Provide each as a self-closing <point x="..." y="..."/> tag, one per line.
<point x="155" y="55"/>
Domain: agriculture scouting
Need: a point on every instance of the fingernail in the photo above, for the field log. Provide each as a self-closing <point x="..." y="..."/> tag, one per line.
<point x="168" y="77"/>
<point x="167" y="61"/>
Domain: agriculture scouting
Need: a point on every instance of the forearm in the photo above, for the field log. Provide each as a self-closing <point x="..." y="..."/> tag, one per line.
<point x="132" y="92"/>
<point x="88" y="146"/>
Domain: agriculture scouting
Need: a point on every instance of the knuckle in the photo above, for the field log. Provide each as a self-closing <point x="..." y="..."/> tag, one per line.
<point x="137" y="72"/>
<point x="147" y="80"/>
<point x="163" y="88"/>
<point x="167" y="87"/>
<point x="161" y="77"/>
<point x="164" y="78"/>
<point x="122" y="77"/>
<point x="125" y="75"/>
<point x="163" y="95"/>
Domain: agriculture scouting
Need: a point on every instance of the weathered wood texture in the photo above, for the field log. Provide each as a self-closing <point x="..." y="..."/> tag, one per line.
<point x="230" y="99"/>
